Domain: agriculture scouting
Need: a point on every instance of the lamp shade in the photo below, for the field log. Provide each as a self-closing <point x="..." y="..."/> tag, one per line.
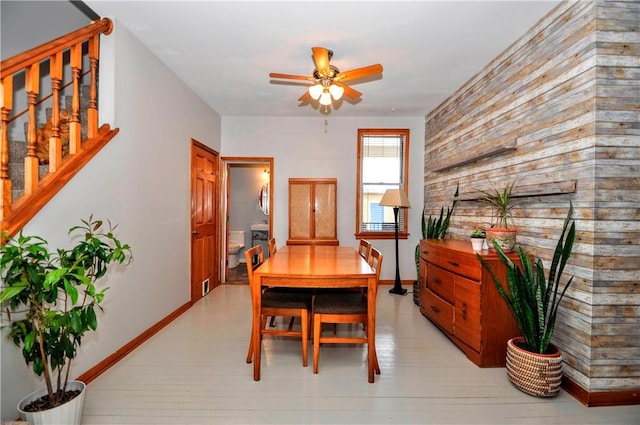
<point x="395" y="198"/>
<point x="325" y="98"/>
<point x="336" y="91"/>
<point x="315" y="91"/>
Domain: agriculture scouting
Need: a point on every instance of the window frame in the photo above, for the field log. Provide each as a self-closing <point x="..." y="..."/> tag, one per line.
<point x="403" y="223"/>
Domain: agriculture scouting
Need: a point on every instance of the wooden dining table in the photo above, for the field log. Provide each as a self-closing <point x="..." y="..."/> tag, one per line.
<point x="315" y="266"/>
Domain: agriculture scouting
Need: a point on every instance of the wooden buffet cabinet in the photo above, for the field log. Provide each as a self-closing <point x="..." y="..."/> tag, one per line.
<point x="459" y="296"/>
<point x="312" y="211"/>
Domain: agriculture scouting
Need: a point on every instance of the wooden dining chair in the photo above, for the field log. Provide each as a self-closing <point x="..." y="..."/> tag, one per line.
<point x="272" y="250"/>
<point x="346" y="307"/>
<point x="272" y="246"/>
<point x="278" y="303"/>
<point x="364" y="249"/>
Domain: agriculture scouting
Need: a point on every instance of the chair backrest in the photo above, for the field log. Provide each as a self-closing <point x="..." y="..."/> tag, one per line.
<point x="272" y="246"/>
<point x="250" y="255"/>
<point x="375" y="261"/>
<point x="365" y="249"/>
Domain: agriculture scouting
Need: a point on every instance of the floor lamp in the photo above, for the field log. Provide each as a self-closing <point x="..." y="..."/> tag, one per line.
<point x="396" y="198"/>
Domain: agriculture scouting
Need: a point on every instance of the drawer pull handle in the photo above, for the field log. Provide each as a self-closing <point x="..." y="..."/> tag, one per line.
<point x="464" y="311"/>
<point x="436" y="309"/>
<point x="437" y="280"/>
<point x="453" y="263"/>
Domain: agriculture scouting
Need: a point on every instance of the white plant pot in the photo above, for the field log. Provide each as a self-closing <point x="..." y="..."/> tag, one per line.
<point x="477" y="244"/>
<point x="68" y="414"/>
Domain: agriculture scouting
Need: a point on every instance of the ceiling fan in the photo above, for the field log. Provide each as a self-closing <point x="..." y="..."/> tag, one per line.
<point x="328" y="80"/>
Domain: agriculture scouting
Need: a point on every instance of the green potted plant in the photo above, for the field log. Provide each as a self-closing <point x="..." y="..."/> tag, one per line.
<point x="52" y="301"/>
<point x="477" y="239"/>
<point x="432" y="228"/>
<point x="534" y="364"/>
<point x="502" y="204"/>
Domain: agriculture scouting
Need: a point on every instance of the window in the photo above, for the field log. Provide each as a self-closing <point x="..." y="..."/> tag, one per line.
<point x="383" y="161"/>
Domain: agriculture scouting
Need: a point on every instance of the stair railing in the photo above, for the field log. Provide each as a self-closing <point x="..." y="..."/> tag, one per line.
<point x="37" y="192"/>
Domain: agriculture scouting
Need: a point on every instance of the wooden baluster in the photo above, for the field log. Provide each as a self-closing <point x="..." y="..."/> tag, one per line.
<point x="32" y="87"/>
<point x="7" y="104"/>
<point x="55" y="144"/>
<point x="94" y="52"/>
<point x="75" y="134"/>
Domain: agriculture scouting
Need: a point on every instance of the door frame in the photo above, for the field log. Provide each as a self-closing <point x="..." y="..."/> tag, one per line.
<point x="227" y="162"/>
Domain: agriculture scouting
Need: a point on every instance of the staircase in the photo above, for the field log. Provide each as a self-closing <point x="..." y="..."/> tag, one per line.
<point x="25" y="185"/>
<point x="18" y="148"/>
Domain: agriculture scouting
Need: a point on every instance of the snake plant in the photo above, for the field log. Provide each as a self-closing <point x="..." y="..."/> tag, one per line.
<point x="532" y="299"/>
<point x="435" y="228"/>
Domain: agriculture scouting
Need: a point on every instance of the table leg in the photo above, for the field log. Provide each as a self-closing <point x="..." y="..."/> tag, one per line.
<point x="371" y="328"/>
<point x="255" y="331"/>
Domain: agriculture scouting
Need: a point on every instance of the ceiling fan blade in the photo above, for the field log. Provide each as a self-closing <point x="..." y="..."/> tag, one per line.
<point x="321" y="59"/>
<point x="305" y="97"/>
<point x="349" y="92"/>
<point x="359" y="72"/>
<point x="291" y="77"/>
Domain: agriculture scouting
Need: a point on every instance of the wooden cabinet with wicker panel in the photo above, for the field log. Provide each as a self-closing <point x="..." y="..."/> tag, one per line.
<point x="459" y="296"/>
<point x="312" y="211"/>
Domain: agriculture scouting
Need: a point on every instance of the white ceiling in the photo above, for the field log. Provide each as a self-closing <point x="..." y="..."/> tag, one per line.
<point x="224" y="50"/>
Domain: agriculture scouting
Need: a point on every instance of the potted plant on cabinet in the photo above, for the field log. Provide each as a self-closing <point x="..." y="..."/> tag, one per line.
<point x="432" y="229"/>
<point x="502" y="203"/>
<point x="477" y="239"/>
<point x="52" y="301"/>
<point x="534" y="364"/>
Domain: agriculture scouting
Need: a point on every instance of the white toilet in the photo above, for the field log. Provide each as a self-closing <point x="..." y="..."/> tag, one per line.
<point x="236" y="243"/>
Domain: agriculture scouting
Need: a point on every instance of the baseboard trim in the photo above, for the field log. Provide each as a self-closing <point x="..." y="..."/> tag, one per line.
<point x="114" y="358"/>
<point x="602" y="398"/>
<point x="407" y="283"/>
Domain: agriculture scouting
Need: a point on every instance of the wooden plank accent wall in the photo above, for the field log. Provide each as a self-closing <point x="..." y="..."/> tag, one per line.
<point x="567" y="97"/>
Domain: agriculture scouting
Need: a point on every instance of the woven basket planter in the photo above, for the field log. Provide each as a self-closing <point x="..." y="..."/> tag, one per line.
<point x="539" y="375"/>
<point x="416" y="293"/>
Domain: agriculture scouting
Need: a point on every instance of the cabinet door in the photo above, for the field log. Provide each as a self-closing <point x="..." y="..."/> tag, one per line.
<point x="300" y="210"/>
<point x="312" y="212"/>
<point x="325" y="210"/>
<point x="467" y="312"/>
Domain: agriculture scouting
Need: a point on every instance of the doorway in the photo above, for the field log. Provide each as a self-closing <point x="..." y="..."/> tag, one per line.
<point x="248" y="205"/>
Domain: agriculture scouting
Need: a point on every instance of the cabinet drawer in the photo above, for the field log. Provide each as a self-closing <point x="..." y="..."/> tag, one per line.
<point x="467" y="312"/>
<point x="464" y="263"/>
<point x="438" y="310"/>
<point x="440" y="282"/>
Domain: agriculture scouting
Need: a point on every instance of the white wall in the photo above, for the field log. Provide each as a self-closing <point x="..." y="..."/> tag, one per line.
<point x="27" y="24"/>
<point x="306" y="147"/>
<point x="140" y="180"/>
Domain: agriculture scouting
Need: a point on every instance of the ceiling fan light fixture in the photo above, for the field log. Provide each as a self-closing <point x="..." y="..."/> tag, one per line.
<point x="315" y="91"/>
<point x="325" y="98"/>
<point x="327" y="83"/>
<point x="336" y="91"/>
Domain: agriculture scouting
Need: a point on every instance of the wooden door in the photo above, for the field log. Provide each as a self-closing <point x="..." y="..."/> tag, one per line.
<point x="204" y="234"/>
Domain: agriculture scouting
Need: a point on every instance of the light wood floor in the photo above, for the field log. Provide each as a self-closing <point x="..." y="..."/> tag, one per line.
<point x="194" y="372"/>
